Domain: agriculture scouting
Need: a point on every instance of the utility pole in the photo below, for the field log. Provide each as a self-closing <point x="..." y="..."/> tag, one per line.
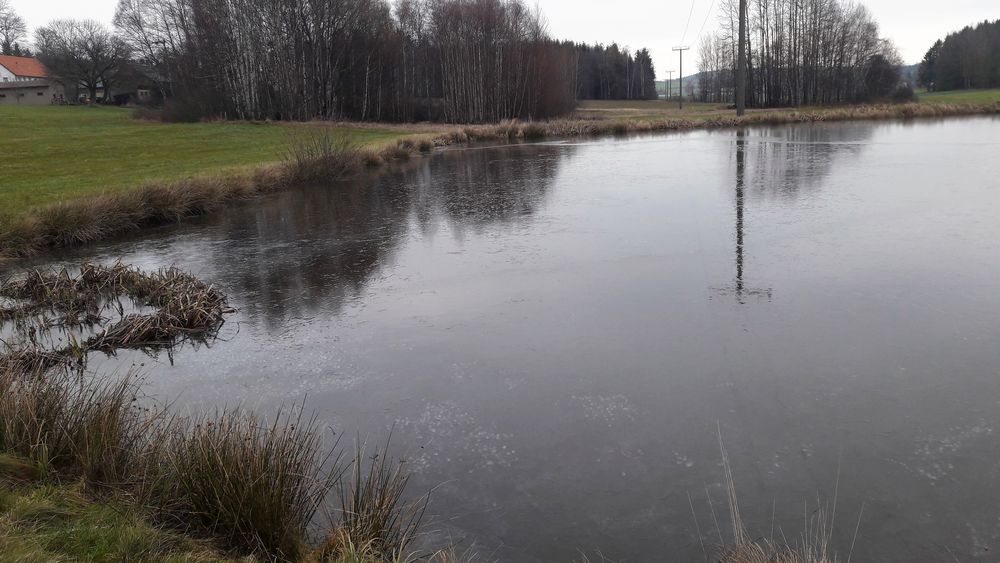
<point x="741" y="63"/>
<point x="670" y="83"/>
<point x="682" y="49"/>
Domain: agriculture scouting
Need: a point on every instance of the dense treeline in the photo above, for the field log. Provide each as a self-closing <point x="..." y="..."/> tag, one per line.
<point x="611" y="73"/>
<point x="458" y="60"/>
<point x="800" y="52"/>
<point x="453" y="60"/>
<point x="966" y="59"/>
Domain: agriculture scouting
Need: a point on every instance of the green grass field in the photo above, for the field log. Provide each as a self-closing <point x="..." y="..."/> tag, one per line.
<point x="961" y="97"/>
<point x="49" y="154"/>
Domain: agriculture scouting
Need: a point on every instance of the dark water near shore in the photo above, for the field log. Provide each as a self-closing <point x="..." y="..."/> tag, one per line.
<point x="557" y="331"/>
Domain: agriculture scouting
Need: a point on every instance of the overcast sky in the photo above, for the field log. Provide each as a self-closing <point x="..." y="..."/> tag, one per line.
<point x="659" y="25"/>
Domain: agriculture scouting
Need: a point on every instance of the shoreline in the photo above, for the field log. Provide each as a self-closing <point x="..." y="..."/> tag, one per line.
<point x="93" y="218"/>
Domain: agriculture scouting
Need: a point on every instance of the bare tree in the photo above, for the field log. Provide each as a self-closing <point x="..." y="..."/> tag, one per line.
<point x="83" y="52"/>
<point x="13" y="30"/>
<point x="800" y="52"/>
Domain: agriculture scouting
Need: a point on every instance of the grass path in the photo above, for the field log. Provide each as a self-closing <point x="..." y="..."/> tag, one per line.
<point x="49" y="154"/>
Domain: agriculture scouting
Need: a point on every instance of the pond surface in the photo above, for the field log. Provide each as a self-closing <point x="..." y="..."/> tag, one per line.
<point x="558" y="333"/>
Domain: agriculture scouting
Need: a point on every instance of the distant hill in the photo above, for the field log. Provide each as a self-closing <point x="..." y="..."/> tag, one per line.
<point x="661" y="85"/>
<point x="908" y="73"/>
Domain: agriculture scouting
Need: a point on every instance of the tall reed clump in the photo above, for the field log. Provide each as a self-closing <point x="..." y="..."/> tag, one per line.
<point x="90" y="428"/>
<point x="248" y="482"/>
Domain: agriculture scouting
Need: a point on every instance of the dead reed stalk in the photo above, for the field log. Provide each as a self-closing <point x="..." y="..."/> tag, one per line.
<point x="186" y="308"/>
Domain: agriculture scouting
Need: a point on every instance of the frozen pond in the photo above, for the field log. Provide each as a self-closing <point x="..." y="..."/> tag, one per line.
<point x="557" y="331"/>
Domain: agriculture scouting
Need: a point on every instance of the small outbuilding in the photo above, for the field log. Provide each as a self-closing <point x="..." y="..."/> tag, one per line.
<point x="26" y="81"/>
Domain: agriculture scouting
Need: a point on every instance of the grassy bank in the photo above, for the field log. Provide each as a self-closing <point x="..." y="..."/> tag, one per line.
<point x="53" y="154"/>
<point x="75" y="175"/>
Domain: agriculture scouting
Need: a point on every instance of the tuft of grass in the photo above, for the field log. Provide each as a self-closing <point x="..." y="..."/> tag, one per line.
<point x="507" y="129"/>
<point x="399" y="151"/>
<point x="814" y="545"/>
<point x="320" y="156"/>
<point x="533" y="131"/>
<point x="250" y="483"/>
<point x="18" y="470"/>
<point x="90" y="428"/>
<point x="373" y="513"/>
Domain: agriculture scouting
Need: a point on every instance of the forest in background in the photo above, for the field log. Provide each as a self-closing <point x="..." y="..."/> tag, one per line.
<point x="469" y="61"/>
<point x="799" y="52"/>
<point x="966" y="59"/>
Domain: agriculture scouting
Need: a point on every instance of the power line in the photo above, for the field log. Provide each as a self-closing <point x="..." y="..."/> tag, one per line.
<point x="708" y="15"/>
<point x="688" y="25"/>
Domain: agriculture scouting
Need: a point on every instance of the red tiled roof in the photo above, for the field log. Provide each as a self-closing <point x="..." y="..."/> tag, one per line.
<point x="24" y="66"/>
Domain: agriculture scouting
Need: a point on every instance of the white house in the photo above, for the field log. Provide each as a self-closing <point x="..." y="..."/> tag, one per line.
<point x="25" y="81"/>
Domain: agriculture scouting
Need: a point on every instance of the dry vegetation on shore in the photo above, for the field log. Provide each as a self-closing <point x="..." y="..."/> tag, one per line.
<point x="249" y="486"/>
<point x="94" y="302"/>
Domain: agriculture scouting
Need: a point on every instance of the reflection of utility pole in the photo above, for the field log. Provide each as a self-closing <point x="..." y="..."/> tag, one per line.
<point x="740" y="289"/>
<point x="681" y="97"/>
<point x="741" y="63"/>
<point x="670" y="83"/>
<point x="740" y="168"/>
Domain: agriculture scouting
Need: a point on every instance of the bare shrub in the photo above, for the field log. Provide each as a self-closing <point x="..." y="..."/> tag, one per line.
<point x="533" y="132"/>
<point x="320" y="156"/>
